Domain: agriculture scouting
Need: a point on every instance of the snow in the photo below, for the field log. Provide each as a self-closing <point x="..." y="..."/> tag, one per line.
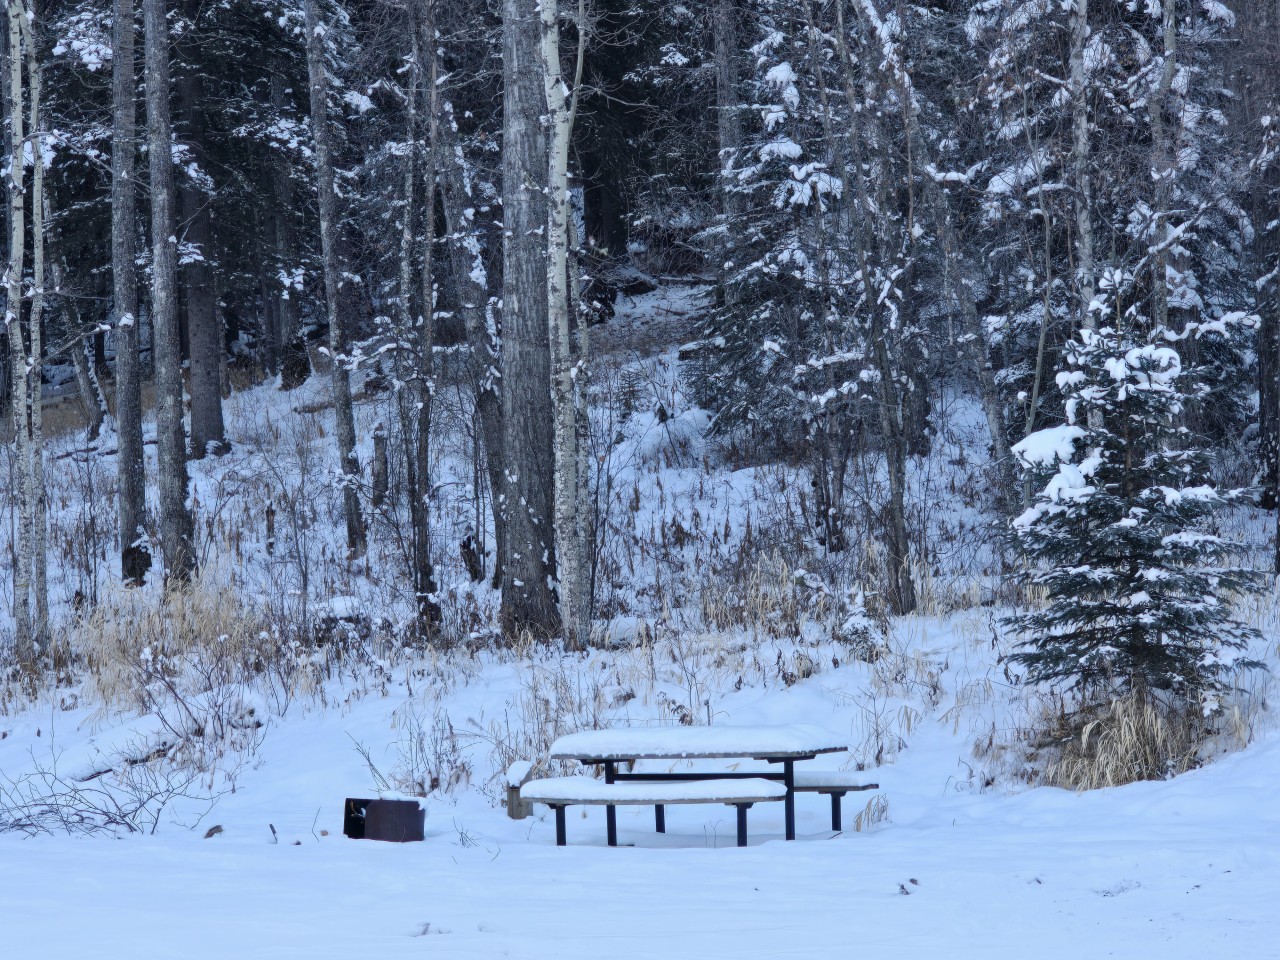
<point x="807" y="778"/>
<point x="1185" y="868"/>
<point x="593" y="791"/>
<point x="715" y="741"/>
<point x="956" y="856"/>
<point x="519" y="772"/>
<point x="1046" y="447"/>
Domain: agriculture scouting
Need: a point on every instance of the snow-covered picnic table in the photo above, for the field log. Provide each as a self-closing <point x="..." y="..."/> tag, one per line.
<point x="780" y="744"/>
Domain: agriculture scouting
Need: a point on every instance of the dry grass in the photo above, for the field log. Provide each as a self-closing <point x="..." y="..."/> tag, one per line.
<point x="190" y="651"/>
<point x="1124" y="740"/>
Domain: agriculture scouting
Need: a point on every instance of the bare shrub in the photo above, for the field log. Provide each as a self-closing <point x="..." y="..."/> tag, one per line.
<point x="429" y="753"/>
<point x="556" y="699"/>
<point x="127" y="791"/>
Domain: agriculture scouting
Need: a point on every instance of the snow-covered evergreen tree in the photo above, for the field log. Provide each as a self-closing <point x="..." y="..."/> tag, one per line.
<point x="1138" y="585"/>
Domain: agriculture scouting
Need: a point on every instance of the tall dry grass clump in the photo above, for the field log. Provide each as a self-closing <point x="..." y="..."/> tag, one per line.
<point x="1124" y="740"/>
<point x="145" y="650"/>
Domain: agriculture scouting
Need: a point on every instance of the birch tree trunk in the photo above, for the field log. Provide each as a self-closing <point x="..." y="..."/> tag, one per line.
<point x="135" y="557"/>
<point x="528" y="602"/>
<point x="566" y="372"/>
<point x="177" y="528"/>
<point x="24" y="634"/>
<point x="344" y="414"/>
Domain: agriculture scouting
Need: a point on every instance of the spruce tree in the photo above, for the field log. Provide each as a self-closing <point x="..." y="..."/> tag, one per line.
<point x="1138" y="586"/>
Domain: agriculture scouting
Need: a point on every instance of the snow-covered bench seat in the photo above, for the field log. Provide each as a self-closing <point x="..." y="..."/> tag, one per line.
<point x="561" y="792"/>
<point x="836" y="783"/>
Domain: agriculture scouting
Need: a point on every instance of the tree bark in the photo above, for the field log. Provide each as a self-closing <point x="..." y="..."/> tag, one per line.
<point x="204" y="326"/>
<point x="567" y="370"/>
<point x="295" y="362"/>
<point x="38" y="503"/>
<point x="471" y="286"/>
<point x="135" y="556"/>
<point x="1080" y="159"/>
<point x="728" y="124"/>
<point x="1161" y="107"/>
<point x="418" y="329"/>
<point x="344" y="413"/>
<point x="177" y="528"/>
<point x="528" y="602"/>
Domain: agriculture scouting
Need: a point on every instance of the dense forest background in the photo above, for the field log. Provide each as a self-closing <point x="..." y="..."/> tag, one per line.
<point x="430" y="209"/>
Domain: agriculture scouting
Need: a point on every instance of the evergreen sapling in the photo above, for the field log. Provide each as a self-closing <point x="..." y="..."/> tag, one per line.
<point x="1138" y="587"/>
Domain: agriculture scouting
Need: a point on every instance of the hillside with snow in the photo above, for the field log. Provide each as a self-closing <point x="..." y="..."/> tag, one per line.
<point x="177" y="788"/>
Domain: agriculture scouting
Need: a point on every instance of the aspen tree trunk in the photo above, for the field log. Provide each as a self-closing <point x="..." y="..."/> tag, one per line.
<point x="470" y="282"/>
<point x="135" y="557"/>
<point x="528" y="602"/>
<point x="566" y="372"/>
<point x="24" y="634"/>
<point x="344" y="414"/>
<point x="1085" y="269"/>
<point x="177" y="528"/>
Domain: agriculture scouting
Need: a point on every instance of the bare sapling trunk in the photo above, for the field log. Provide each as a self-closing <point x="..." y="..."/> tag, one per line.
<point x="135" y="556"/>
<point x="528" y="601"/>
<point x="177" y="528"/>
<point x="344" y="413"/>
<point x="567" y="371"/>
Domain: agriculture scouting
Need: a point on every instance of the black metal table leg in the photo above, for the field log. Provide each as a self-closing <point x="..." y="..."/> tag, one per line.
<point x="742" y="823"/>
<point x="610" y="812"/>
<point x="836" y="797"/>
<point x="789" y="778"/>
<point x="560" y="831"/>
<point x="660" y="818"/>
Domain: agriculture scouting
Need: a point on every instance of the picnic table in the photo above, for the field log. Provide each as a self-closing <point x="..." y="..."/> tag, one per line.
<point x="779" y="745"/>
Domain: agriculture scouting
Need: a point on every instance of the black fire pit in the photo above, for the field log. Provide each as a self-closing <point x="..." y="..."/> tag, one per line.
<point x="398" y="821"/>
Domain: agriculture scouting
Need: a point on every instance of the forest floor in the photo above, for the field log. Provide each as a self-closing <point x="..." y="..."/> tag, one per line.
<point x="715" y="616"/>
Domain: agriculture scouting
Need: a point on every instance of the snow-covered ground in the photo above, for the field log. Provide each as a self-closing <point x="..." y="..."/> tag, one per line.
<point x="960" y="866"/>
<point x="954" y="855"/>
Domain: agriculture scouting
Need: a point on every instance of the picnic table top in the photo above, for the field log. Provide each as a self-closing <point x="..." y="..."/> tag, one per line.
<point x="781" y="742"/>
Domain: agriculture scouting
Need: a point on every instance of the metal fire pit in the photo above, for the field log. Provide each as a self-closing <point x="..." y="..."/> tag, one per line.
<point x="398" y="821"/>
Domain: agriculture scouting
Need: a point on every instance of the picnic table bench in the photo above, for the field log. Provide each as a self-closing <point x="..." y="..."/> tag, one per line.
<point x="782" y="745"/>
<point x="561" y="792"/>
